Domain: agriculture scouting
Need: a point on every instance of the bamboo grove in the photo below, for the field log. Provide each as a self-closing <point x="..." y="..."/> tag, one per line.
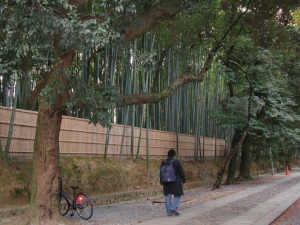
<point x="148" y="64"/>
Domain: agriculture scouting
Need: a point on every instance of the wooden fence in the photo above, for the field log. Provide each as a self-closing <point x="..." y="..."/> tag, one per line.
<point x="79" y="138"/>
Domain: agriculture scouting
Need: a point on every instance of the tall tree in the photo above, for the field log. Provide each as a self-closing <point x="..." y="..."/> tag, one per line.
<point x="41" y="38"/>
<point x="264" y="71"/>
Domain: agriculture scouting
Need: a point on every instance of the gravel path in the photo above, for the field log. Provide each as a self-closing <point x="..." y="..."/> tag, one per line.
<point x="133" y="212"/>
<point x="245" y="204"/>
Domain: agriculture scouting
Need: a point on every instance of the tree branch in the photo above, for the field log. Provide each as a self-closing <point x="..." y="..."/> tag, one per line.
<point x="32" y="100"/>
<point x="235" y="22"/>
<point x="141" y="98"/>
<point x="151" y="16"/>
<point x="250" y="89"/>
<point x="158" y="67"/>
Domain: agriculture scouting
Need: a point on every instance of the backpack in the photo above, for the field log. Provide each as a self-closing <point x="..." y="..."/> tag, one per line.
<point x="167" y="173"/>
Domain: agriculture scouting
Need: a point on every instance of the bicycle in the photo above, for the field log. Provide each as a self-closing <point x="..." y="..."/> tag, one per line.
<point x="81" y="202"/>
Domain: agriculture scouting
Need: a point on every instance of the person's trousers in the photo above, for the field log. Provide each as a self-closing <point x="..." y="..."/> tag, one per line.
<point x="171" y="205"/>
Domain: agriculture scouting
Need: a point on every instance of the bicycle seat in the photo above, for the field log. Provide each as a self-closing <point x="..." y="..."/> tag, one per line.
<point x="74" y="187"/>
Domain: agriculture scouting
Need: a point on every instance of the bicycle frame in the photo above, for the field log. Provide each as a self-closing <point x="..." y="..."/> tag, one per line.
<point x="68" y="198"/>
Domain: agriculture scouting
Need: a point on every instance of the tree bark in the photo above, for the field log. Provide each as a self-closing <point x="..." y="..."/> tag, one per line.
<point x="245" y="170"/>
<point x="151" y="16"/>
<point x="32" y="100"/>
<point x="45" y="187"/>
<point x="46" y="162"/>
<point x="233" y="162"/>
<point x="232" y="170"/>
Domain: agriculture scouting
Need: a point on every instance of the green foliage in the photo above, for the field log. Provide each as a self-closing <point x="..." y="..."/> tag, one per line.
<point x="98" y="100"/>
<point x="29" y="33"/>
<point x="34" y="38"/>
<point x="272" y="101"/>
<point x="146" y="61"/>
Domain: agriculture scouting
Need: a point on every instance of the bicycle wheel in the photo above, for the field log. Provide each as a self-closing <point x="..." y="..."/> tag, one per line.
<point x="63" y="205"/>
<point x="84" y="206"/>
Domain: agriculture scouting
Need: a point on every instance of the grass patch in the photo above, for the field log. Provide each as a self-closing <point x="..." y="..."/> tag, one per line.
<point x="93" y="175"/>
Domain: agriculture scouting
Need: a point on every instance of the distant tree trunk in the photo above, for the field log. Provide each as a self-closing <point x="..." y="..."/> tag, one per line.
<point x="245" y="159"/>
<point x="236" y="142"/>
<point x="26" y="82"/>
<point x="272" y="162"/>
<point x="1" y="150"/>
<point x="233" y="162"/>
<point x="288" y="161"/>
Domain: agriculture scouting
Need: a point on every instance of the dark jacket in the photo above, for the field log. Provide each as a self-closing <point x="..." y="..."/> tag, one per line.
<point x="174" y="188"/>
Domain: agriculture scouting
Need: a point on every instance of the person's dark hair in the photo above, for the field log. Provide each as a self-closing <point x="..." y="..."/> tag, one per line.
<point x="171" y="153"/>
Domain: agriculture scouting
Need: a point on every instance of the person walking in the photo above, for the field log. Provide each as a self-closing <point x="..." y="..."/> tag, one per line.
<point x="172" y="186"/>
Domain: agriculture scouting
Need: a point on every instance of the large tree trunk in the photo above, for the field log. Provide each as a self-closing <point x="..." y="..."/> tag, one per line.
<point x="46" y="162"/>
<point x="245" y="159"/>
<point x="45" y="186"/>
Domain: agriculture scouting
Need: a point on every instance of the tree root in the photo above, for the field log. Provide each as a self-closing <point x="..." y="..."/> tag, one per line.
<point x="244" y="178"/>
<point x="230" y="182"/>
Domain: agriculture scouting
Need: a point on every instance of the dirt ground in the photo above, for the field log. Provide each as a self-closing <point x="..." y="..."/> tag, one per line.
<point x="94" y="176"/>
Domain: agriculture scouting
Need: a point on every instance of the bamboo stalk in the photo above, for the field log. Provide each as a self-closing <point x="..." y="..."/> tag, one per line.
<point x="124" y="131"/>
<point x="147" y="141"/>
<point x="11" y="126"/>
<point x="145" y="84"/>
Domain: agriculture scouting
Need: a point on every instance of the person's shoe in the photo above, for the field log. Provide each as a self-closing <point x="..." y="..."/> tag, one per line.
<point x="170" y="215"/>
<point x="174" y="212"/>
